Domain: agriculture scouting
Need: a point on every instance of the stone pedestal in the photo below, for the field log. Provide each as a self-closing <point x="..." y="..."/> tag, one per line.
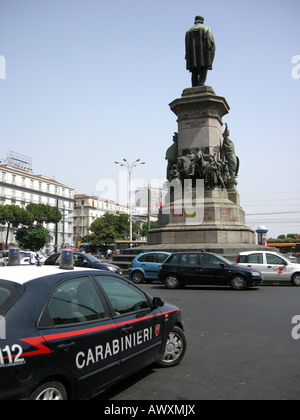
<point x="217" y="221"/>
<point x="200" y="113"/>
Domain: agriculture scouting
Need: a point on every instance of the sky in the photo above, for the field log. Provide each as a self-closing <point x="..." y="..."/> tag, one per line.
<point x="85" y="83"/>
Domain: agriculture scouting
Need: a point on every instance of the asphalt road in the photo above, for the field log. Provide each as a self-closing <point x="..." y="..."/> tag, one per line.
<point x="240" y="347"/>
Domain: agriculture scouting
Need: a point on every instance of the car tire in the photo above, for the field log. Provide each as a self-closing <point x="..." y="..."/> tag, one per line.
<point x="137" y="277"/>
<point x="296" y="279"/>
<point x="238" y="283"/>
<point x="172" y="281"/>
<point x="175" y="348"/>
<point x="50" y="391"/>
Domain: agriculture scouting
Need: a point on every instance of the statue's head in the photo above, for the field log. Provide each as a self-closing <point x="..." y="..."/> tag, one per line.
<point x="199" y="19"/>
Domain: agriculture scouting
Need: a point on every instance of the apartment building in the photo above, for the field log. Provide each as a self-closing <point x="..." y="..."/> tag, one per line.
<point x="89" y="208"/>
<point x="21" y="187"/>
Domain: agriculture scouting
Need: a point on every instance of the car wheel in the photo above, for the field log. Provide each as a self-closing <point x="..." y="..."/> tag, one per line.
<point x="137" y="277"/>
<point x="238" y="283"/>
<point x="296" y="279"/>
<point x="172" y="281"/>
<point x="175" y="348"/>
<point x="51" y="391"/>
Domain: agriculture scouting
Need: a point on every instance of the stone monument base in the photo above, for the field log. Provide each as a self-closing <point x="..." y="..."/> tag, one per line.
<point x="218" y="225"/>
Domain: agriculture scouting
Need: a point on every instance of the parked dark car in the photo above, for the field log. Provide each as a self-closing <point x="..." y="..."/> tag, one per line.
<point x="70" y="334"/>
<point x="191" y="268"/>
<point x="85" y="261"/>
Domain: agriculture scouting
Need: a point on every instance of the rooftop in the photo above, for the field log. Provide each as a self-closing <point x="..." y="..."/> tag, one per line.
<point x="23" y="273"/>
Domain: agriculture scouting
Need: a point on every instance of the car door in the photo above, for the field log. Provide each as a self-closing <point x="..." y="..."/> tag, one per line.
<point x="149" y="265"/>
<point x="77" y="327"/>
<point x="140" y="326"/>
<point x="159" y="259"/>
<point x="213" y="271"/>
<point x="254" y="261"/>
<point x="190" y="270"/>
<point x="276" y="268"/>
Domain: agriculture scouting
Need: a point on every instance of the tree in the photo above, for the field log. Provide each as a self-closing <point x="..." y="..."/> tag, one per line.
<point x="42" y="213"/>
<point x="35" y="236"/>
<point x="32" y="238"/>
<point x="31" y="218"/>
<point x="144" y="230"/>
<point x="12" y="216"/>
<point x="109" y="228"/>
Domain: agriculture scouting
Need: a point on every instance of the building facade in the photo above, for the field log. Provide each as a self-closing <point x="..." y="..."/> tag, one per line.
<point x="21" y="187"/>
<point x="89" y="208"/>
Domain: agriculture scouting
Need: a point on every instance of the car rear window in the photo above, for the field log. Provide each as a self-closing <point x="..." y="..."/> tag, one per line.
<point x="9" y="294"/>
<point x="251" y="259"/>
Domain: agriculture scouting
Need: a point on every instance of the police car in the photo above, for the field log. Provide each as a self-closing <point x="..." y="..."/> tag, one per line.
<point x="72" y="333"/>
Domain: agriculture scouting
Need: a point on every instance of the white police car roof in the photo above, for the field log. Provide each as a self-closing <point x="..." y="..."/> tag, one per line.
<point x="23" y="273"/>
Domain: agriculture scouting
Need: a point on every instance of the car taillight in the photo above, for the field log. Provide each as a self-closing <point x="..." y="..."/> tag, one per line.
<point x="131" y="264"/>
<point x="238" y="259"/>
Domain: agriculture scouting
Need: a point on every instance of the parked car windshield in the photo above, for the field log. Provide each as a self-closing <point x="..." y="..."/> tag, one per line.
<point x="223" y="260"/>
<point x="92" y="258"/>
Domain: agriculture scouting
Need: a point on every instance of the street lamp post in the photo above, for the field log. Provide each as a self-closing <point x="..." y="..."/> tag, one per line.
<point x="130" y="168"/>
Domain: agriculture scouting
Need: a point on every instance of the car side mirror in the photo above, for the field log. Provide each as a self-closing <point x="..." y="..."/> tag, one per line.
<point x="222" y="265"/>
<point x="157" y="302"/>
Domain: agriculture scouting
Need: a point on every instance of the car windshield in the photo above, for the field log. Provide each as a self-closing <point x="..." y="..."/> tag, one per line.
<point x="9" y="293"/>
<point x="92" y="258"/>
<point x="224" y="260"/>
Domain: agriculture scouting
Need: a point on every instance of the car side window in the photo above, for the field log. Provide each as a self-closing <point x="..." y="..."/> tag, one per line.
<point x="78" y="258"/>
<point x="74" y="301"/>
<point x="275" y="259"/>
<point x="210" y="261"/>
<point x="175" y="259"/>
<point x="149" y="258"/>
<point x="189" y="259"/>
<point x="161" y="258"/>
<point x="255" y="259"/>
<point x="124" y="297"/>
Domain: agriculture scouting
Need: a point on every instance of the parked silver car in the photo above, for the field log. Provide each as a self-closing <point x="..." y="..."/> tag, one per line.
<point x="273" y="266"/>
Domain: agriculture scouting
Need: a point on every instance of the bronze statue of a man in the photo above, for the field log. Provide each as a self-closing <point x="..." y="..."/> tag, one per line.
<point x="200" y="51"/>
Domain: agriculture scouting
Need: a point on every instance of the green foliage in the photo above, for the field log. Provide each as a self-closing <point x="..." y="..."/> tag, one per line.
<point x="110" y="228"/>
<point x="31" y="235"/>
<point x="42" y="213"/>
<point x="13" y="215"/>
<point x="290" y="238"/>
<point x="144" y="230"/>
<point x="32" y="238"/>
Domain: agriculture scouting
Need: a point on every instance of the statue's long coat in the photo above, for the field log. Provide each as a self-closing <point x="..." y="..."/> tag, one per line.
<point x="200" y="47"/>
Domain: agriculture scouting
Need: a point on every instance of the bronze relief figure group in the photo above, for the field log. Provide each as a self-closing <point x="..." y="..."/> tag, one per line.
<point x="218" y="170"/>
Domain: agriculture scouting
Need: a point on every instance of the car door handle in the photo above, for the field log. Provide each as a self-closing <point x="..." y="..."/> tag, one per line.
<point x="127" y="329"/>
<point x="64" y="348"/>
